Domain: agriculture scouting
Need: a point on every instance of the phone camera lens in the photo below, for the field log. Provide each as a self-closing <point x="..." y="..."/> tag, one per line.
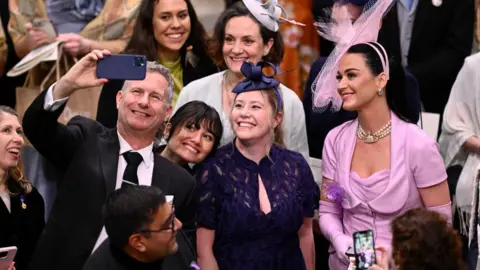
<point x="139" y="61"/>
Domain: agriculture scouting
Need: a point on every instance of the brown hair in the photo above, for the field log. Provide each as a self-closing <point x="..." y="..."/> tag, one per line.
<point x="239" y="9"/>
<point x="16" y="181"/>
<point x="423" y="240"/>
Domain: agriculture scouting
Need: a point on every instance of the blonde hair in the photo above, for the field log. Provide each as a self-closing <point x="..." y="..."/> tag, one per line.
<point x="16" y="181"/>
<point x="273" y="100"/>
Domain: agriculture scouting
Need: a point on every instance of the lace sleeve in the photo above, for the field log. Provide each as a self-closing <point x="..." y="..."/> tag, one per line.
<point x="206" y="197"/>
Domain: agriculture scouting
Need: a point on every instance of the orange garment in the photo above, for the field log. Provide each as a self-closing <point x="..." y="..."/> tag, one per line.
<point x="477" y="23"/>
<point x="301" y="44"/>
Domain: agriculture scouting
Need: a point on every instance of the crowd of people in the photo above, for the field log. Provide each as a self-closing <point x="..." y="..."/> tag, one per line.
<point x="206" y="163"/>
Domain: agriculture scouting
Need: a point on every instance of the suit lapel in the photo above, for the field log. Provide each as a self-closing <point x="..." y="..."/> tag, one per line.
<point x="160" y="178"/>
<point x="109" y="149"/>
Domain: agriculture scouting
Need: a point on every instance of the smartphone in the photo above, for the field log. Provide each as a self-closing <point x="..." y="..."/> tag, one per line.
<point x="6" y="256"/>
<point x="122" y="67"/>
<point x="364" y="248"/>
<point x="46" y="26"/>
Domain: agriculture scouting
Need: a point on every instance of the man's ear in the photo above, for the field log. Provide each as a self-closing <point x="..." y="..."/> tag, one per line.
<point x="136" y="241"/>
<point x="119" y="98"/>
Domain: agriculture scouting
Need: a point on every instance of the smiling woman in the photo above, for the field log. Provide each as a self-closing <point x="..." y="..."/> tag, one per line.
<point x="21" y="206"/>
<point x="244" y="33"/>
<point x="167" y="31"/>
<point x="192" y="134"/>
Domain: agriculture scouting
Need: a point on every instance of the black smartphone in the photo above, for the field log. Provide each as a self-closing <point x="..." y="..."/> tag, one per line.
<point x="122" y="67"/>
<point x="364" y="248"/>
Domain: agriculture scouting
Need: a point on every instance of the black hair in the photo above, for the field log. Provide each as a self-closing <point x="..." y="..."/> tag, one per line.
<point x="275" y="56"/>
<point x="143" y="41"/>
<point x="198" y="113"/>
<point x="129" y="210"/>
<point x="395" y="90"/>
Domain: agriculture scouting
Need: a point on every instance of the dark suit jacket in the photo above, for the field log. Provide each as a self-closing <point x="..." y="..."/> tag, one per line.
<point x="22" y="227"/>
<point x="105" y="258"/>
<point x="319" y="124"/>
<point x="87" y="154"/>
<point x="441" y="39"/>
<point x="107" y="113"/>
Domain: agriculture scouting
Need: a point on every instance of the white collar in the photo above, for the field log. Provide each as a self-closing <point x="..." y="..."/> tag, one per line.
<point x="146" y="153"/>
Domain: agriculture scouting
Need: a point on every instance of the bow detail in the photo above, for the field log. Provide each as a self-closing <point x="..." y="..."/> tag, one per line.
<point x="273" y="10"/>
<point x="256" y="80"/>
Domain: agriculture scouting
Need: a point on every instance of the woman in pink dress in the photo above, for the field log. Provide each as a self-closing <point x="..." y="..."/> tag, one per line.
<point x="379" y="165"/>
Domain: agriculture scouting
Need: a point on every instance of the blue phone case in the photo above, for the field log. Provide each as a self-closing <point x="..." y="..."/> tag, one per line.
<point x="122" y="67"/>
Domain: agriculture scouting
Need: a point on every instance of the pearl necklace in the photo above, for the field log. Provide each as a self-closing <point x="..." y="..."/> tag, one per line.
<point x="369" y="137"/>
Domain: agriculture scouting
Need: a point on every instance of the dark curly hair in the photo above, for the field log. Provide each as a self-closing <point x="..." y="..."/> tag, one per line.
<point x="423" y="240"/>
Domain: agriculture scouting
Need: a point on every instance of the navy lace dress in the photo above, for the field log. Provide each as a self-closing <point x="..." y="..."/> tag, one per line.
<point x="228" y="202"/>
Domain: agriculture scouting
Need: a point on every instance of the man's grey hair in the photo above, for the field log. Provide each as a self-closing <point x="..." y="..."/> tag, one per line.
<point x="155" y="67"/>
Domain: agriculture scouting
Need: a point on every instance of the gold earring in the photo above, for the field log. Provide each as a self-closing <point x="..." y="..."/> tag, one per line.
<point x="380" y="92"/>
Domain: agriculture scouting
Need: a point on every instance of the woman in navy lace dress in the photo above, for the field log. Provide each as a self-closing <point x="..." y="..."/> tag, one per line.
<point x="256" y="199"/>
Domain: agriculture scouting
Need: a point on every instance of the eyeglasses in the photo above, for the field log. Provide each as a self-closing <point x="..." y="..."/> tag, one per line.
<point x="169" y="225"/>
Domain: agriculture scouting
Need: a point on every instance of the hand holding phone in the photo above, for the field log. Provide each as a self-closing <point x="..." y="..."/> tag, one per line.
<point x="364" y="248"/>
<point x="7" y="254"/>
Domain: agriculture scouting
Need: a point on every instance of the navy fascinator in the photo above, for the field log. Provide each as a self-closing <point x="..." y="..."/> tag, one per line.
<point x="256" y="80"/>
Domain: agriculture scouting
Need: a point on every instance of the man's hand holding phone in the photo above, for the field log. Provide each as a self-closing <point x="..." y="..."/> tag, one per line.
<point x="82" y="75"/>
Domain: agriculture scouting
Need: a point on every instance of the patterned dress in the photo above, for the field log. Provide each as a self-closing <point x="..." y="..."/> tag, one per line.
<point x="228" y="202"/>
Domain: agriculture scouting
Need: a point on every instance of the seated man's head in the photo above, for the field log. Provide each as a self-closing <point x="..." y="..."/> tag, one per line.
<point x="139" y="221"/>
<point x="143" y="106"/>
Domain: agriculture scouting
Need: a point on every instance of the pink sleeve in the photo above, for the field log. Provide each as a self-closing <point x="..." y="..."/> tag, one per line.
<point x="426" y="162"/>
<point x="329" y="162"/>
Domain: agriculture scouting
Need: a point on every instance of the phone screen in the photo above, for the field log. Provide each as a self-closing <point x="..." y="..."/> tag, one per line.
<point x="364" y="249"/>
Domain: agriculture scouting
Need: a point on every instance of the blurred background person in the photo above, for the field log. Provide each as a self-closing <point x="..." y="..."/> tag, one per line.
<point x="426" y="35"/>
<point x="143" y="233"/>
<point x="82" y="26"/>
<point x="21" y="206"/>
<point x="3" y="50"/>
<point x="167" y="31"/>
<point x="244" y="33"/>
<point x="365" y="184"/>
<point x="192" y="134"/>
<point x="301" y="44"/>
<point x="421" y="239"/>
<point x="256" y="199"/>
<point x="460" y="148"/>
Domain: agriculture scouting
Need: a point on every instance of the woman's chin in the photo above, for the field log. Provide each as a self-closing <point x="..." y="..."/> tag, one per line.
<point x="349" y="106"/>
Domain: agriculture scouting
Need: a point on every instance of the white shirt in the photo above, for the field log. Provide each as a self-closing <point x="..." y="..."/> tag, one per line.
<point x="145" y="169"/>
<point x="209" y="90"/>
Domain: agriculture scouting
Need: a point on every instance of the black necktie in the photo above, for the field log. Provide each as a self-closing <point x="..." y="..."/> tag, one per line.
<point x="130" y="176"/>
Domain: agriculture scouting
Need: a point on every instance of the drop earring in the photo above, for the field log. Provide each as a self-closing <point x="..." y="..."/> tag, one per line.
<point x="380" y="92"/>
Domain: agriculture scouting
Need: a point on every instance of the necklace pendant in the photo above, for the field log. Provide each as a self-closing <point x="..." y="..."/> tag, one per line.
<point x="370" y="139"/>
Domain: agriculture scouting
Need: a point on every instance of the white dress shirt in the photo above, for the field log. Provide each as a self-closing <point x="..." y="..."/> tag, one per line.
<point x="145" y="169"/>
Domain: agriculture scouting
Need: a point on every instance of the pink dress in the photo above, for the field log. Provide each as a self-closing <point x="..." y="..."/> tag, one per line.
<point x="371" y="203"/>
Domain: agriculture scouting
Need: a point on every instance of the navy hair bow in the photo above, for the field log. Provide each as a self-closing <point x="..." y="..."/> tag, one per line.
<point x="257" y="80"/>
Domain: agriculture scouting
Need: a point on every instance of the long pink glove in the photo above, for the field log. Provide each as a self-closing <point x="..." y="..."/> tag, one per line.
<point x="444" y="210"/>
<point x="330" y="220"/>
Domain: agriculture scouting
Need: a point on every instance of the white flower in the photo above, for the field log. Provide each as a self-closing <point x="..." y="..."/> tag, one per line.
<point x="437" y="3"/>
